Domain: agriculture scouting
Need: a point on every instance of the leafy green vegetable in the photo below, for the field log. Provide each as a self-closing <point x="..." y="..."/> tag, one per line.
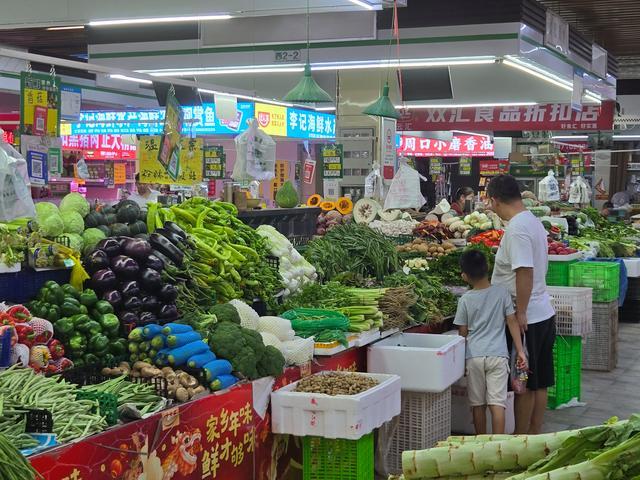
<point x="73" y="222"/>
<point x="75" y="202"/>
<point x="447" y="268"/>
<point x="50" y="225"/>
<point x="92" y="236"/>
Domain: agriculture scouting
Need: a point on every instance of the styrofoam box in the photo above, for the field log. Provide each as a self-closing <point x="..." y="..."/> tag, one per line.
<point x="426" y="362"/>
<point x="633" y="267"/>
<point x="462" y="418"/>
<point x="338" y="416"/>
<point x="565" y="258"/>
<point x="4" y="268"/>
<point x="365" y="338"/>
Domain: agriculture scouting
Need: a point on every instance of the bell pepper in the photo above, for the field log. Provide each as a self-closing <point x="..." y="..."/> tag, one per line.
<point x="43" y="337"/>
<point x="118" y="347"/>
<point x="70" y="291"/>
<point x="110" y="323"/>
<point x="65" y="363"/>
<point x="64" y="327"/>
<point x="78" y="363"/>
<point x="69" y="307"/>
<point x="90" y="360"/>
<point x="6" y="319"/>
<point x="88" y="298"/>
<point x="57" y="293"/>
<point x="84" y="310"/>
<point x="102" y="307"/>
<point x="56" y="348"/>
<point x="108" y="359"/>
<point x="26" y="334"/>
<point x="78" y="344"/>
<point x="51" y="368"/>
<point x="90" y="326"/>
<point x="98" y="343"/>
<point x="53" y="313"/>
<point x="19" y="313"/>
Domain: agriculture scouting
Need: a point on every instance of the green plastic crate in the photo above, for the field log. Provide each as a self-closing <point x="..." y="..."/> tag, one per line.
<point x="567" y="363"/>
<point x="602" y="277"/>
<point x="338" y="459"/>
<point x="558" y="273"/>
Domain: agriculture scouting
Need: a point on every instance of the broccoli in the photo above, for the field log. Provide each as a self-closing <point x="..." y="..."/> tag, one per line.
<point x="238" y="345"/>
<point x="225" y="312"/>
<point x="272" y="362"/>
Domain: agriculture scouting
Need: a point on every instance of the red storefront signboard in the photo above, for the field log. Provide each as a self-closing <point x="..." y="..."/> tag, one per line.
<point x="492" y="168"/>
<point x="552" y="116"/>
<point x="100" y="147"/>
<point x="460" y="145"/>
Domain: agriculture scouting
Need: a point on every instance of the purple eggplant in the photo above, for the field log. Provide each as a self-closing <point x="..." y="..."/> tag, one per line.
<point x="114" y="297"/>
<point x="122" y="240"/>
<point x="125" y="267"/>
<point x="137" y="248"/>
<point x="165" y="260"/>
<point x="154" y="262"/>
<point x="168" y="293"/>
<point x="104" y="280"/>
<point x="147" y="318"/>
<point x="130" y="288"/>
<point x="128" y="318"/>
<point x="150" y="303"/>
<point x="168" y="312"/>
<point x="96" y="260"/>
<point x="150" y="280"/>
<point x="172" y="237"/>
<point x="172" y="227"/>
<point x="132" y="304"/>
<point x="164" y="245"/>
<point x="110" y="246"/>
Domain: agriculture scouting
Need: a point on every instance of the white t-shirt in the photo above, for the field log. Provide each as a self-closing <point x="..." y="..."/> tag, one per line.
<point x="142" y="201"/>
<point x="524" y="244"/>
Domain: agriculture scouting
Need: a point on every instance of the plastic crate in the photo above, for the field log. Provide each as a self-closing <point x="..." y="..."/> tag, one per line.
<point x="400" y="239"/>
<point x="567" y="362"/>
<point x="39" y="421"/>
<point x="602" y="277"/>
<point x="291" y="222"/>
<point x="107" y="404"/>
<point x="558" y="273"/>
<point x="337" y="459"/>
<point x="599" y="351"/>
<point x="425" y="419"/>
<point x="273" y="262"/>
<point x="159" y="384"/>
<point x="573" y="310"/>
<point x="22" y="286"/>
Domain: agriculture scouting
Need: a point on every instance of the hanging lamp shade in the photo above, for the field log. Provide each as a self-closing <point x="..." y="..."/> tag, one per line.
<point x="307" y="90"/>
<point x="383" y="106"/>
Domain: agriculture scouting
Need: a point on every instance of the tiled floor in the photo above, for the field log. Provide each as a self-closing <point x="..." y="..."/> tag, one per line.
<point x="606" y="394"/>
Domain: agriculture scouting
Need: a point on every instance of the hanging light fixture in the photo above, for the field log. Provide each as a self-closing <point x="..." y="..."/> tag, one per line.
<point x="307" y="90"/>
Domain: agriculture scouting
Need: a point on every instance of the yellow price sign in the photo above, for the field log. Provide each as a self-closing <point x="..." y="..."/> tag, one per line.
<point x="191" y="161"/>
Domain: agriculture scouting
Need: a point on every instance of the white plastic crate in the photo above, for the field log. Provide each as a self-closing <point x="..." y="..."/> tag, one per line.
<point x="426" y="362"/>
<point x="633" y="267"/>
<point x="573" y="310"/>
<point x="424" y="421"/>
<point x="370" y="336"/>
<point x="462" y="418"/>
<point x="338" y="416"/>
<point x="600" y="350"/>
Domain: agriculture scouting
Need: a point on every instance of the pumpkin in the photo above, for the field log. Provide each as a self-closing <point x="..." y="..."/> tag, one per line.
<point x="344" y="205"/>
<point x="314" y="200"/>
<point x="327" y="206"/>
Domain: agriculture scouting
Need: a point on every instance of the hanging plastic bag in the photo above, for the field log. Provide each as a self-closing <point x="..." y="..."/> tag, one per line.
<point x="373" y="184"/>
<point x="256" y="155"/>
<point x="579" y="192"/>
<point x="519" y="376"/>
<point x="548" y="189"/>
<point x="82" y="169"/>
<point x="15" y="200"/>
<point x="404" y="191"/>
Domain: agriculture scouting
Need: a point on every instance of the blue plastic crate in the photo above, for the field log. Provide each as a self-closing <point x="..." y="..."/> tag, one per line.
<point x="22" y="286"/>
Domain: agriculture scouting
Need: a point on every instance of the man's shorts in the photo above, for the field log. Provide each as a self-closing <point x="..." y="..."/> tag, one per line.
<point x="540" y="339"/>
<point x="487" y="379"/>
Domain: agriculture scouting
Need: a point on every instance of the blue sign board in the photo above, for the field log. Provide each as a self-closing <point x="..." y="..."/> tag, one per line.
<point x="309" y="124"/>
<point x="202" y="120"/>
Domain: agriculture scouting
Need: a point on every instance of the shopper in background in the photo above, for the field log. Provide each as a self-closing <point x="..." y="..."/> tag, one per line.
<point x="145" y="193"/>
<point x="481" y="316"/>
<point x="460" y="198"/>
<point x="606" y="209"/>
<point x="521" y="267"/>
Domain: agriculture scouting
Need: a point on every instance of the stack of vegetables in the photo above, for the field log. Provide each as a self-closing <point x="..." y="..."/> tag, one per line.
<point x="293" y="268"/>
<point x="394" y="223"/>
<point x="177" y="345"/>
<point x="490" y="238"/>
<point x="13" y="243"/>
<point x="127" y="273"/>
<point x="447" y="268"/>
<point x="86" y="326"/>
<point x="64" y="222"/>
<point x="600" y="452"/>
<point x="14" y="465"/>
<point x="330" y="219"/>
<point x="476" y="222"/>
<point x="608" y="239"/>
<point x="123" y="219"/>
<point x="362" y="309"/>
<point x="142" y="396"/>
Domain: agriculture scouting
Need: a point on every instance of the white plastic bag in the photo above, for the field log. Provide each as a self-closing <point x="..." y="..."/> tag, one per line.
<point x="256" y="155"/>
<point x="548" y="189"/>
<point x="15" y="187"/>
<point x="373" y="184"/>
<point x="82" y="169"/>
<point x="404" y="191"/>
<point x="579" y="192"/>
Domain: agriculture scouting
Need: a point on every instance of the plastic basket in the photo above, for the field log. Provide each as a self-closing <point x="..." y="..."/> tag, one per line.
<point x="573" y="310"/>
<point x="599" y="351"/>
<point x="602" y="277"/>
<point x="337" y="459"/>
<point x="273" y="262"/>
<point x="107" y="404"/>
<point x="567" y="361"/>
<point x="20" y="287"/>
<point x="558" y="273"/>
<point x="424" y="420"/>
<point x="39" y="421"/>
<point x="159" y="384"/>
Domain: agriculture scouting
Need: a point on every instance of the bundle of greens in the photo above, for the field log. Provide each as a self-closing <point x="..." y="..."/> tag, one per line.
<point x="447" y="268"/>
<point x="613" y="240"/>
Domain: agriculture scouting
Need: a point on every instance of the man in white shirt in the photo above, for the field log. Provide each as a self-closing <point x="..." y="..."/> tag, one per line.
<point x="521" y="267"/>
<point x="145" y="194"/>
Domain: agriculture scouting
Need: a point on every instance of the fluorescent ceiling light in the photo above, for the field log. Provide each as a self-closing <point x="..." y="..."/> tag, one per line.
<point x="538" y="73"/>
<point x="467" y="105"/>
<point x="626" y="137"/>
<point x="363" y="4"/>
<point x="570" y="137"/>
<point x="70" y="27"/>
<point x="247" y="97"/>
<point x="325" y="109"/>
<point x="137" y="21"/>
<point x="131" y="79"/>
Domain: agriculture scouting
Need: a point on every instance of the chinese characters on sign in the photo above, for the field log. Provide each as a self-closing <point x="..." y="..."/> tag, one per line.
<point x="465" y="166"/>
<point x="554" y="116"/>
<point x="309" y="170"/>
<point x="460" y="145"/>
<point x="492" y="168"/>
<point x="388" y="147"/>
<point x="169" y="154"/>
<point x="214" y="162"/>
<point x="191" y="162"/>
<point x="282" y="175"/>
<point x="310" y="124"/>
<point x="272" y="119"/>
<point x="119" y="173"/>
<point x="331" y="157"/>
<point x="39" y="104"/>
<point x="435" y="166"/>
<point x="100" y="147"/>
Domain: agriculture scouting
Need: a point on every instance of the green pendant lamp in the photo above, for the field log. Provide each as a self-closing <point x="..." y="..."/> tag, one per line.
<point x="383" y="106"/>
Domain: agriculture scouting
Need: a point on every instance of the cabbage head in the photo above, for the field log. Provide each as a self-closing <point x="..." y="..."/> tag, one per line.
<point x="75" y="202"/>
<point x="92" y="236"/>
<point x="73" y="222"/>
<point x="75" y="241"/>
<point x="46" y="208"/>
<point x="50" y="225"/>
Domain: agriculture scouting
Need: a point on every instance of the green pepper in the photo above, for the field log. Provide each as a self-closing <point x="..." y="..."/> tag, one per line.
<point x="79" y="319"/>
<point x="77" y="344"/>
<point x="53" y="313"/>
<point x="88" y="298"/>
<point x="98" y="343"/>
<point x="90" y="326"/>
<point x="70" y="291"/>
<point x="50" y="283"/>
<point x="84" y="310"/>
<point x="91" y="360"/>
<point x="102" y="307"/>
<point x="110" y="323"/>
<point x="118" y="347"/>
<point x="108" y="360"/>
<point x="79" y="363"/>
<point x="64" y="326"/>
<point x="69" y="308"/>
<point x="58" y="293"/>
<point x="40" y="309"/>
<point x="49" y="296"/>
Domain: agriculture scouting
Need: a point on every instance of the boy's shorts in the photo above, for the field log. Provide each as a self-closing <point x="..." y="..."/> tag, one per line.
<point x="487" y="379"/>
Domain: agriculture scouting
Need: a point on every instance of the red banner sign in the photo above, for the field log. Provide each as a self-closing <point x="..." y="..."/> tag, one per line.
<point x="100" y="147"/>
<point x="492" y="168"/>
<point x="460" y="145"/>
<point x="553" y="116"/>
